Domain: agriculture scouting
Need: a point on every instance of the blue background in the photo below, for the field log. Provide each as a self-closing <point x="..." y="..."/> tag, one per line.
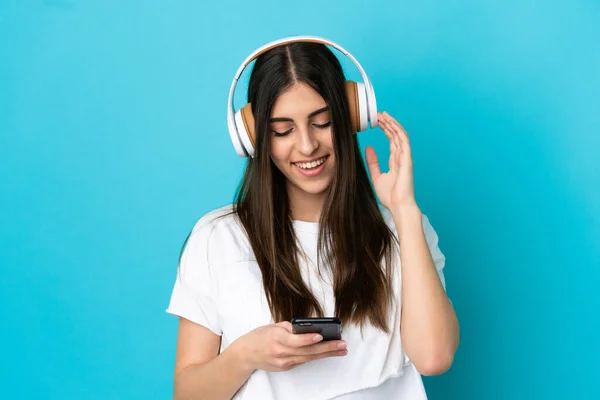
<point x="113" y="141"/>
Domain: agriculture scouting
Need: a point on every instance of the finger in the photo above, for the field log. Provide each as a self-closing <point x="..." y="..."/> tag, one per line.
<point x="297" y="360"/>
<point x="390" y="132"/>
<point x="404" y="146"/>
<point x="379" y="115"/>
<point x="398" y="143"/>
<point x="385" y="128"/>
<point x="400" y="134"/>
<point x="392" y="121"/>
<point x="287" y="337"/>
<point x="395" y="151"/>
<point x="318" y="348"/>
<point x="399" y="129"/>
<point x="392" y="161"/>
<point x="373" y="163"/>
<point x="389" y="123"/>
<point x="300" y="339"/>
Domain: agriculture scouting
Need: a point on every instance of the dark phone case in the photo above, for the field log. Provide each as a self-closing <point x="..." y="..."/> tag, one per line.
<point x="329" y="328"/>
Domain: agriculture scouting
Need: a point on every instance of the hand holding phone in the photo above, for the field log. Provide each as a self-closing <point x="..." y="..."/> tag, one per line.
<point x="276" y="348"/>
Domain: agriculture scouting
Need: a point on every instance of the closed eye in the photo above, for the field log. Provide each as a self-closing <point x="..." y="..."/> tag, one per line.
<point x="320" y="126"/>
<point x="282" y="133"/>
<point x="325" y="125"/>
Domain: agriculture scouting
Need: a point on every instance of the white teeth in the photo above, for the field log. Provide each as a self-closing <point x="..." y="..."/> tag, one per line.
<point x="311" y="165"/>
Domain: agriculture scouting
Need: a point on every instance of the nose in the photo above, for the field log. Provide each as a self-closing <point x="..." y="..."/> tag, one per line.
<point x="307" y="142"/>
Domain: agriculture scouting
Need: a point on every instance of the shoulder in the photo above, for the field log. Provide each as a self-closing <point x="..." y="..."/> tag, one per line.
<point x="221" y="216"/>
<point x="219" y="236"/>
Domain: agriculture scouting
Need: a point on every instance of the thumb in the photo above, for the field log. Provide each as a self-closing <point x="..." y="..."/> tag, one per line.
<point x="373" y="163"/>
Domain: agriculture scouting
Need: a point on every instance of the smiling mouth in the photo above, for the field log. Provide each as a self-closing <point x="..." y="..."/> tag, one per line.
<point x="311" y="165"/>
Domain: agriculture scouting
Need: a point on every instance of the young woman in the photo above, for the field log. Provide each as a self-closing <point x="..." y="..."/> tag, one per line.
<point x="306" y="237"/>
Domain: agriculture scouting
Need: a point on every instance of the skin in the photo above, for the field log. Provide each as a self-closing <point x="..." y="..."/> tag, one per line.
<point x="429" y="327"/>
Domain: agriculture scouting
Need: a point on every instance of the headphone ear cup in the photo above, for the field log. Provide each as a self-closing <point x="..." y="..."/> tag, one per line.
<point x="352" y="96"/>
<point x="357" y="101"/>
<point x="363" y="108"/>
<point x="244" y="121"/>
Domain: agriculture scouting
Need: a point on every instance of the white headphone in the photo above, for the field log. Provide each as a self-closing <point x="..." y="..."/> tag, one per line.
<point x="361" y="98"/>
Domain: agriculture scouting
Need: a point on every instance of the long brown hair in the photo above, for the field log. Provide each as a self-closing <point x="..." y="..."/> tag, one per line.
<point x="354" y="240"/>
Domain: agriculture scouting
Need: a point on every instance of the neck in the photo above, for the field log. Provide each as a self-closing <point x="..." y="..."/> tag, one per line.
<point x="305" y="206"/>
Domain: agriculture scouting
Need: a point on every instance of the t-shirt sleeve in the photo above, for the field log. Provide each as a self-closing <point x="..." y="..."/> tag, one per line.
<point x="433" y="242"/>
<point x="193" y="295"/>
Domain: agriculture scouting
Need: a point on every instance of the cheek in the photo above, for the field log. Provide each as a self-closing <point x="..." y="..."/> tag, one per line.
<point x="327" y="140"/>
<point x="279" y="153"/>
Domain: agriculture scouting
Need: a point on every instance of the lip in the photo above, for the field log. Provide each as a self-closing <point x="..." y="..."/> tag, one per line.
<point x="310" y="160"/>
<point x="312" y="172"/>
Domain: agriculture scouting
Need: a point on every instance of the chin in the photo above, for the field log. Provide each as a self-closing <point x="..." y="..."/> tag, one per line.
<point x="313" y="188"/>
<point x="316" y="190"/>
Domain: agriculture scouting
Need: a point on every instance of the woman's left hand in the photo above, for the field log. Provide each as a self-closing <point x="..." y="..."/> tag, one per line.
<point x="394" y="188"/>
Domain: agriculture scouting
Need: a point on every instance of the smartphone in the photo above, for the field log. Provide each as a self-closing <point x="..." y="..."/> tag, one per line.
<point x="329" y="328"/>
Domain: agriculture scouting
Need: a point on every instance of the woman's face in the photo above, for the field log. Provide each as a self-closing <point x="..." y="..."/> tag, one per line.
<point x="301" y="140"/>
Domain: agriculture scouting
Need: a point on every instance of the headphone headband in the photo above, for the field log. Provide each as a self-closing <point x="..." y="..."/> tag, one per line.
<point x="241" y="141"/>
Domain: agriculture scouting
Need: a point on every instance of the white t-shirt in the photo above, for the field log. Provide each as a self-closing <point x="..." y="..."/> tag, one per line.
<point x="219" y="286"/>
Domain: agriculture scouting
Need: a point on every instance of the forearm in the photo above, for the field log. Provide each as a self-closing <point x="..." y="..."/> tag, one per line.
<point x="217" y="379"/>
<point x="429" y="326"/>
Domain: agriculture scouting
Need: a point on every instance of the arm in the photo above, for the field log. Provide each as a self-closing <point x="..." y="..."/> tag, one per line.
<point x="429" y="326"/>
<point x="200" y="371"/>
<point x="428" y="323"/>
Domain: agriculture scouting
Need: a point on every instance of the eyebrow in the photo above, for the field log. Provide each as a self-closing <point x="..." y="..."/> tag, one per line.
<point x="312" y="114"/>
